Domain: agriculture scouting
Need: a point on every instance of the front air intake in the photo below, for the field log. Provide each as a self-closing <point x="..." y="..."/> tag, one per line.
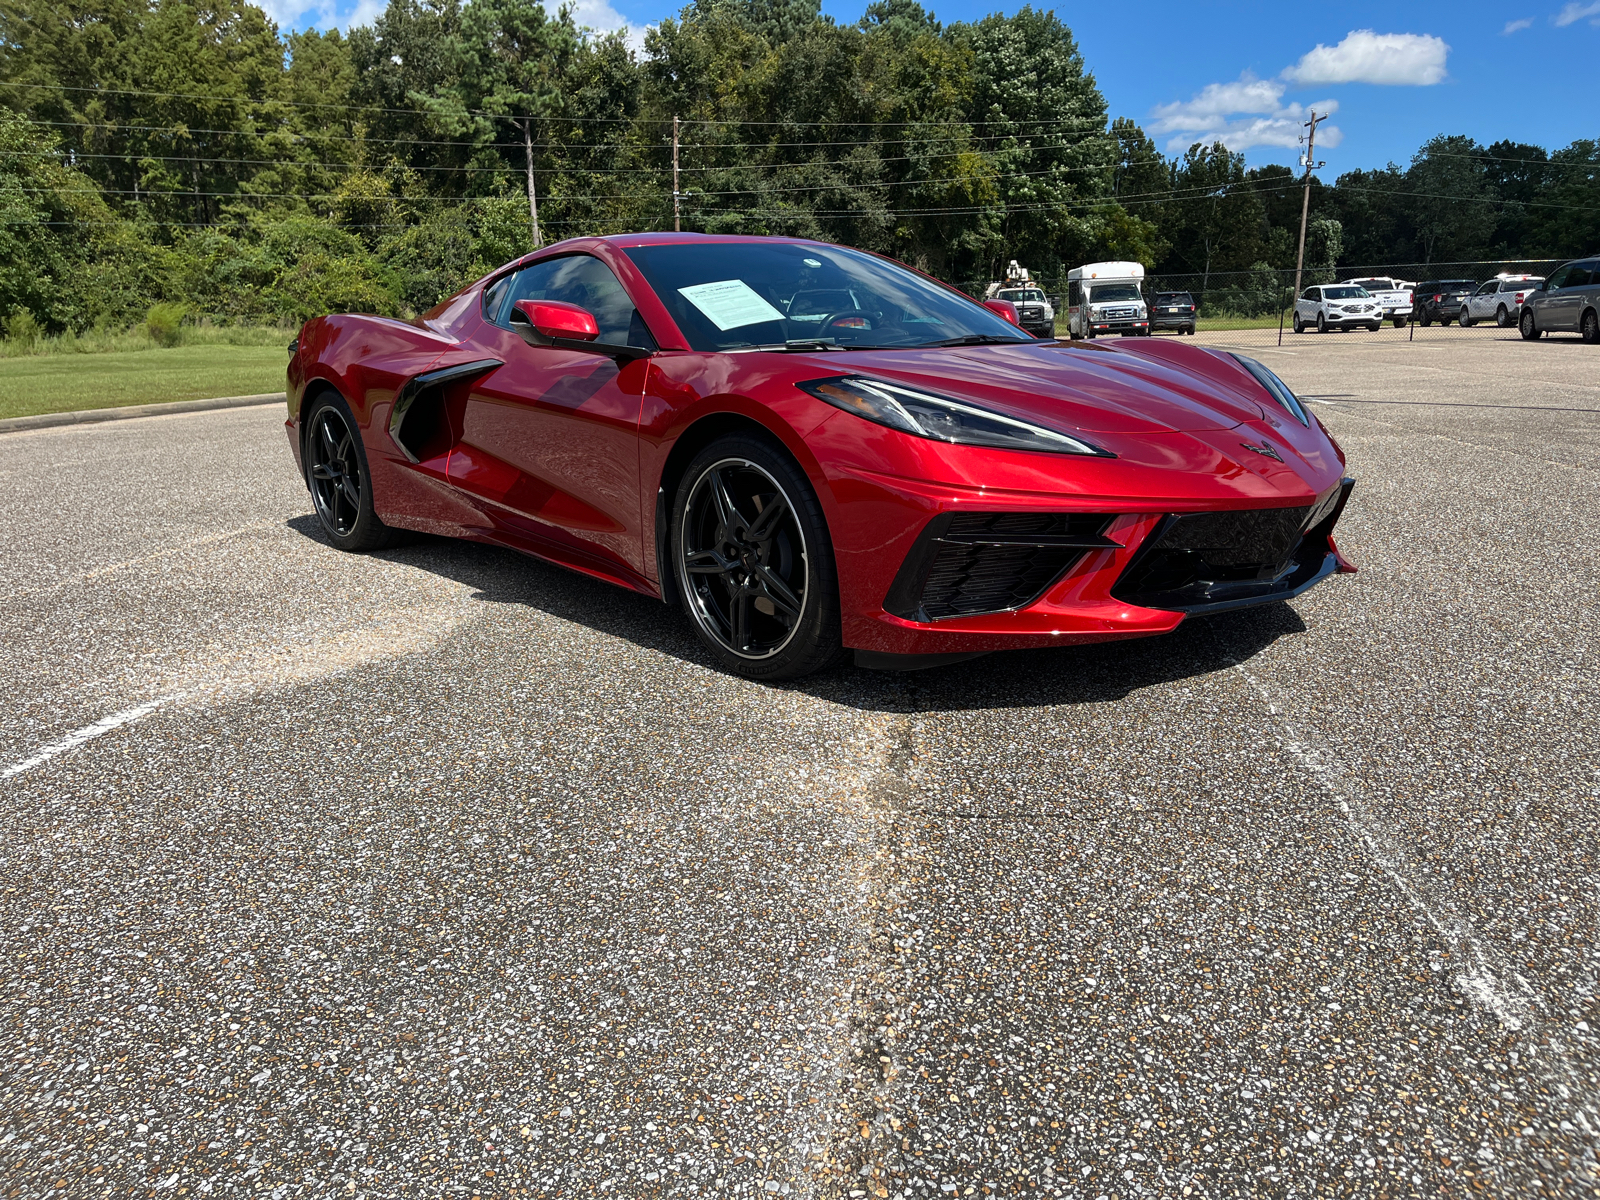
<point x="967" y="564"/>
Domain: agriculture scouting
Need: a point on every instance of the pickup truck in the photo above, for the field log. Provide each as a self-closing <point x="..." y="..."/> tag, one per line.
<point x="1393" y="297"/>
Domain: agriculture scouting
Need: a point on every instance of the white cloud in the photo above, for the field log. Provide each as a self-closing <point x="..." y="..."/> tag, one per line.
<point x="1516" y="26"/>
<point x="1415" y="59"/>
<point x="1247" y="112"/>
<point x="599" y="16"/>
<point x="1575" y="12"/>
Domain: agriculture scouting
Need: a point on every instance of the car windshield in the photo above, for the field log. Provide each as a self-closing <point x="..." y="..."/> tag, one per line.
<point x="742" y="295"/>
<point x="1022" y="294"/>
<point x="1110" y="292"/>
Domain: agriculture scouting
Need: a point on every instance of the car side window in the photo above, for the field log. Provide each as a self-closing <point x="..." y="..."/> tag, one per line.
<point x="494" y="297"/>
<point x="1588" y="271"/>
<point x="1492" y="286"/>
<point x="1558" y="280"/>
<point x="1309" y="294"/>
<point x="583" y="280"/>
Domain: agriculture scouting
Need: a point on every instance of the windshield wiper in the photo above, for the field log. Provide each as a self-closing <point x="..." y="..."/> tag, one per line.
<point x="974" y="339"/>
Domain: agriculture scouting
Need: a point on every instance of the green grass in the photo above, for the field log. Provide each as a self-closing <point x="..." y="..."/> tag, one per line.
<point x="44" y="383"/>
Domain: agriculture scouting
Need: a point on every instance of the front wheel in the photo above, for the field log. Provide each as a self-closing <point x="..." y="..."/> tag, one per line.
<point x="1502" y="318"/>
<point x="1466" y="319"/>
<point x="754" y="562"/>
<point x="1399" y="322"/>
<point x="1529" y="330"/>
<point x="1299" y="325"/>
<point x="340" y="482"/>
<point x="1374" y="327"/>
<point x="1426" y="319"/>
<point x="1322" y="323"/>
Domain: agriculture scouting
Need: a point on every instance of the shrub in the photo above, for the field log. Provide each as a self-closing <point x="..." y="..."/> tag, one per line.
<point x="23" y="329"/>
<point x="164" y="323"/>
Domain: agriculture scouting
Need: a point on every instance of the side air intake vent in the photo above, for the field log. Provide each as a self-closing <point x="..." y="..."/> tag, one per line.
<point x="416" y="421"/>
<point x="965" y="564"/>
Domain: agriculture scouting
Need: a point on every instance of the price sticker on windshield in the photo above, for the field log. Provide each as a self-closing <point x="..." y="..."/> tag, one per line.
<point x="730" y="304"/>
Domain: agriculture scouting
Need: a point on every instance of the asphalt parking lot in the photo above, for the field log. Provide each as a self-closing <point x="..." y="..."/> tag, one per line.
<point x="443" y="872"/>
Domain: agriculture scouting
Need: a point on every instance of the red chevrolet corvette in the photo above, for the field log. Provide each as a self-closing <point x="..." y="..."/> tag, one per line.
<point x="812" y="449"/>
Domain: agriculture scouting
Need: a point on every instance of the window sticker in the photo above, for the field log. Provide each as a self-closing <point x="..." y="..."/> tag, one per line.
<point x="730" y="304"/>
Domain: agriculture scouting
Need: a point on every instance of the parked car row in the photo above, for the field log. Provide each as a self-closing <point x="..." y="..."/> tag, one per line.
<point x="1567" y="302"/>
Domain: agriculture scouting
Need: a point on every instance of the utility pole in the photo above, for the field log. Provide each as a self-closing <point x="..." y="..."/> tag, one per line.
<point x="677" y="220"/>
<point x="1305" y="201"/>
<point x="533" y="196"/>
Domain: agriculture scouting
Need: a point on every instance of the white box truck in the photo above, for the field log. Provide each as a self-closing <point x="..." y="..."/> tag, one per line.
<point x="1106" y="298"/>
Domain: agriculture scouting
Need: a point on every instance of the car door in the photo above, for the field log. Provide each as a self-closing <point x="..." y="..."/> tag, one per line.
<point x="550" y="441"/>
<point x="1480" y="306"/>
<point x="1565" y="299"/>
<point x="1306" y="306"/>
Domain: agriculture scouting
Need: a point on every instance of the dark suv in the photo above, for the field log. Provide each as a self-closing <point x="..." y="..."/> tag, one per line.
<point x="1441" y="300"/>
<point x="1172" y="310"/>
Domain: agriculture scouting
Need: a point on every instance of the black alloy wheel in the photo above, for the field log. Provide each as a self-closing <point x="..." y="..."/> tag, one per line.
<point x="1529" y="329"/>
<point x="337" y="474"/>
<point x="1590" y="327"/>
<point x="754" y="562"/>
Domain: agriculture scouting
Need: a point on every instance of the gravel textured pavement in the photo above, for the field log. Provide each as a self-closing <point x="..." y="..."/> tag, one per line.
<point x="444" y="872"/>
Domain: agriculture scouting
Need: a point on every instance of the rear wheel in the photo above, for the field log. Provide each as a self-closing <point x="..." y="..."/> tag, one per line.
<point x="1399" y="322"/>
<point x="754" y="561"/>
<point x="340" y="482"/>
<point x="1530" y="330"/>
<point x="1502" y="318"/>
<point x="1589" y="327"/>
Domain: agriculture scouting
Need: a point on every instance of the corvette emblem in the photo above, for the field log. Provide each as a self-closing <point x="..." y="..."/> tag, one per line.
<point x="1266" y="449"/>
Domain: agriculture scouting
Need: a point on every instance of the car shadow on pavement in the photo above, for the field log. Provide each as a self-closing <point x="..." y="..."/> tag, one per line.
<point x="1092" y="674"/>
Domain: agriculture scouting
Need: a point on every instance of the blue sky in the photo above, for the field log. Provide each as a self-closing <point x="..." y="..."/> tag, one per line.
<point x="1249" y="72"/>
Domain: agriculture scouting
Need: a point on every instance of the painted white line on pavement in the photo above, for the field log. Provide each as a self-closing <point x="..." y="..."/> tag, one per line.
<point x="79" y="736"/>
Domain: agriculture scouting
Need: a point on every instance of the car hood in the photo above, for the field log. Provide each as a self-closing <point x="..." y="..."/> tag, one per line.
<point x="1084" y="388"/>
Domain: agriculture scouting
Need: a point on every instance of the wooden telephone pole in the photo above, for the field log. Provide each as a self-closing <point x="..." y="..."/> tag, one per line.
<point x="1305" y="201"/>
<point x="677" y="220"/>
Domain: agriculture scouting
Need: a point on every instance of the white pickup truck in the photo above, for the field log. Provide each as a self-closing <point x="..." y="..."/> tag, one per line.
<point x="1393" y="297"/>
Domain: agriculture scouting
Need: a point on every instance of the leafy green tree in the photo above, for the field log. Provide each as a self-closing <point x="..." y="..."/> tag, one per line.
<point x="1453" y="210"/>
<point x="1215" y="217"/>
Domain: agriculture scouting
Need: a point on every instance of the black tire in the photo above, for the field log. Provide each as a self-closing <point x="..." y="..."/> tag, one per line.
<point x="1399" y="322"/>
<point x="742" y="572"/>
<point x="1426" y="319"/>
<point x="1322" y="322"/>
<point x="1465" y="320"/>
<point x="339" y="479"/>
<point x="1374" y="327"/>
<point x="1443" y="320"/>
<point x="1589" y="327"/>
<point x="1299" y="325"/>
<point x="1502" y="318"/>
<point x="1528" y="327"/>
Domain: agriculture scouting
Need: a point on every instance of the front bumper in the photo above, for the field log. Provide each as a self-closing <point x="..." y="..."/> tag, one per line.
<point x="1123" y="326"/>
<point x="975" y="581"/>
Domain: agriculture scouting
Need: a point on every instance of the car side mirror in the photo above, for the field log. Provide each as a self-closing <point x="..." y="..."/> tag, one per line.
<point x="564" y="326"/>
<point x="1003" y="308"/>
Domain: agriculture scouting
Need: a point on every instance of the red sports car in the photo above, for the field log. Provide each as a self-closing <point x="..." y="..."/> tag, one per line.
<point x="813" y="449"/>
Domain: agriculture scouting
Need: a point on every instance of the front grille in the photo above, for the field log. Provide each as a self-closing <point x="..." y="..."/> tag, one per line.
<point x="1202" y="560"/>
<point x="965" y="564"/>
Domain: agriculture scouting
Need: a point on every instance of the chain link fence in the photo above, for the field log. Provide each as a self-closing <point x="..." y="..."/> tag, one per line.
<point x="1252" y="307"/>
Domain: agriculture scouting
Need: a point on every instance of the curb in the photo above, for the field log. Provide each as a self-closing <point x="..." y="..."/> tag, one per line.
<point x="89" y="416"/>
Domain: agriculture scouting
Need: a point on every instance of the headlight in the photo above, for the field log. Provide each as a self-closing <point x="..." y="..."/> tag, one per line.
<point x="1278" y="389"/>
<point x="922" y="414"/>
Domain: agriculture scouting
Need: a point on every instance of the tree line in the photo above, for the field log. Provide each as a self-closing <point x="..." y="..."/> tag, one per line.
<point x="168" y="150"/>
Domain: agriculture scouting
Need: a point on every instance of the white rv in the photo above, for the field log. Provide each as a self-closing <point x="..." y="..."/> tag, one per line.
<point x="1106" y="298"/>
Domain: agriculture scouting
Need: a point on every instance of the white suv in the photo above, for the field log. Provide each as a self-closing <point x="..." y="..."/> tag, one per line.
<point x="1500" y="300"/>
<point x="1337" y="306"/>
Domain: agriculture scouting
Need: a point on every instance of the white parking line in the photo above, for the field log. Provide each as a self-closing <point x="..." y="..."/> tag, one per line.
<point x="79" y="736"/>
